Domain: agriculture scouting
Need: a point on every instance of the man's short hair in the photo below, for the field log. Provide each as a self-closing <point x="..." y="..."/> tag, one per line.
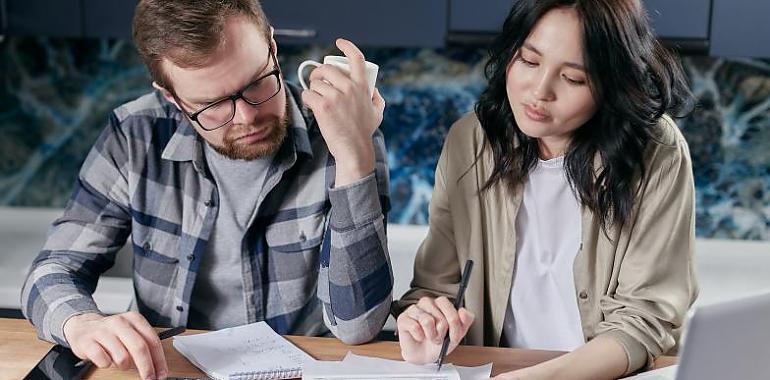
<point x="187" y="32"/>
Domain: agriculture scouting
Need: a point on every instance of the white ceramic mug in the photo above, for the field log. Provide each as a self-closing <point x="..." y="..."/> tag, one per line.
<point x="341" y="62"/>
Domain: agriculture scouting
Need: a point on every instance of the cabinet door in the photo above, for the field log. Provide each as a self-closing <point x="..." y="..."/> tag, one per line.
<point x="108" y="18"/>
<point x="676" y="19"/>
<point x="367" y="23"/>
<point x="60" y="18"/>
<point x="680" y="19"/>
<point x="478" y="16"/>
<point x="741" y="28"/>
<point x="295" y="21"/>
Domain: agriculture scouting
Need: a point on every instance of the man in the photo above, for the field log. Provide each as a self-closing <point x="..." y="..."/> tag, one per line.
<point x="241" y="205"/>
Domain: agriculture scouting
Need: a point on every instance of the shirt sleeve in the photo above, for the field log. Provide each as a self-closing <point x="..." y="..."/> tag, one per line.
<point x="82" y="243"/>
<point x="355" y="278"/>
<point x="656" y="283"/>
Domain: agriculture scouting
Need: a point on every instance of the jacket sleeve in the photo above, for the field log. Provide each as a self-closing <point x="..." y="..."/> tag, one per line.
<point x="436" y="265"/>
<point x="355" y="278"/>
<point x="82" y="243"/>
<point x="656" y="282"/>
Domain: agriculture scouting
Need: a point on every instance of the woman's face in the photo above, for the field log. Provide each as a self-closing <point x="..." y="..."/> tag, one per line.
<point x="547" y="84"/>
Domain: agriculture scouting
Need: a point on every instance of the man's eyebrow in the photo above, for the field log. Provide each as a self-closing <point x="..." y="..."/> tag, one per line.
<point x="265" y="69"/>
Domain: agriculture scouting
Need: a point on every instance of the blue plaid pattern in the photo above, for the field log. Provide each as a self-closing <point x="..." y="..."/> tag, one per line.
<point x="316" y="256"/>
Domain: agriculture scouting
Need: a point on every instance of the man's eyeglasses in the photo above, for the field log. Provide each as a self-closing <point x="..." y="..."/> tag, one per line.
<point x="222" y="111"/>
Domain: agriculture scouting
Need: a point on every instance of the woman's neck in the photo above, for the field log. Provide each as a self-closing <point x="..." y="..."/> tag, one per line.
<point x="551" y="149"/>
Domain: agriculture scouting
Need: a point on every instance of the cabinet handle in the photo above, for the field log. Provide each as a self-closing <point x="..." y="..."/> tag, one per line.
<point x="296" y="33"/>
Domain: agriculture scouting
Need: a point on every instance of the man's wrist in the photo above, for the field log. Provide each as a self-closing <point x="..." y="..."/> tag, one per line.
<point x="75" y="320"/>
<point x="350" y="168"/>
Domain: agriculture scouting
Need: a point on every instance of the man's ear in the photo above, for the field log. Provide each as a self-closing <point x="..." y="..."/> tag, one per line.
<point x="166" y="93"/>
<point x="272" y="41"/>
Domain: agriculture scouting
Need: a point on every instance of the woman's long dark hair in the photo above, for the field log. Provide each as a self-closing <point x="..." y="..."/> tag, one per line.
<point x="634" y="81"/>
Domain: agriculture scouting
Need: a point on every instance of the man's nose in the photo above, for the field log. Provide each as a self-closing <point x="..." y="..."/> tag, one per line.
<point x="244" y="112"/>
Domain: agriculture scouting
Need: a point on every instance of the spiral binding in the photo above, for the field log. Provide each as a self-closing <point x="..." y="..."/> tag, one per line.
<point x="280" y="373"/>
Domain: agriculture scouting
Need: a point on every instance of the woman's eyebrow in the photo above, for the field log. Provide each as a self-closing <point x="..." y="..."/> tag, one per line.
<point x="573" y="65"/>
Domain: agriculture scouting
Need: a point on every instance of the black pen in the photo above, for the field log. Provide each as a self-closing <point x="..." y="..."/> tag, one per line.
<point x="165" y="334"/>
<point x="458" y="302"/>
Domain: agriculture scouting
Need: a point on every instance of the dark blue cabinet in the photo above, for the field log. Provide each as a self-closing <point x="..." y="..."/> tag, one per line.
<point x="61" y="18"/>
<point x="386" y="23"/>
<point x="367" y="23"/>
<point x="478" y="16"/>
<point x="111" y="18"/>
<point x="741" y="28"/>
<point x="680" y="19"/>
<point x="69" y="18"/>
<point x="674" y="19"/>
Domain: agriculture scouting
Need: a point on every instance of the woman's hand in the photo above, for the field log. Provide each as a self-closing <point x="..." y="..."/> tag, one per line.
<point x="423" y="326"/>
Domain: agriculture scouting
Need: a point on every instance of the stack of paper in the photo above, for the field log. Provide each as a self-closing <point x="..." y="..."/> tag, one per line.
<point x="364" y="368"/>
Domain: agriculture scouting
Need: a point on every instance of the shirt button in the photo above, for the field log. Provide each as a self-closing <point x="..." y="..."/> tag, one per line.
<point x="146" y="246"/>
<point x="190" y="257"/>
<point x="179" y="308"/>
<point x="302" y="236"/>
<point x="209" y="203"/>
<point x="583" y="295"/>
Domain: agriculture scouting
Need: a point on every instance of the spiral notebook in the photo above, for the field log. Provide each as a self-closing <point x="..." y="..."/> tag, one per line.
<point x="249" y="352"/>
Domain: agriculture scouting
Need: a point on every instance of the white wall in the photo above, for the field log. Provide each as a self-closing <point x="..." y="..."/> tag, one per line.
<point x="726" y="268"/>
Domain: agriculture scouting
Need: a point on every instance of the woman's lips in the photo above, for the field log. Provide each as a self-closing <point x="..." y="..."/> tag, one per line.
<point x="536" y="114"/>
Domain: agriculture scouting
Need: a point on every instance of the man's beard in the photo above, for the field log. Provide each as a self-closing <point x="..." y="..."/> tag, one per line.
<point x="268" y="145"/>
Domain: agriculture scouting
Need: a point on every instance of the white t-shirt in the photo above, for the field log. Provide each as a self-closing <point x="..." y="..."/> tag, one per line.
<point x="543" y="312"/>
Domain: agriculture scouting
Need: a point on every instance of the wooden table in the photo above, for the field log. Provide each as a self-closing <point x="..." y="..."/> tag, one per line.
<point x="20" y="350"/>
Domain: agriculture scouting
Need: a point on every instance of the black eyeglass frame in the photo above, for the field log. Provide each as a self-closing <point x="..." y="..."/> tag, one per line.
<point x="276" y="71"/>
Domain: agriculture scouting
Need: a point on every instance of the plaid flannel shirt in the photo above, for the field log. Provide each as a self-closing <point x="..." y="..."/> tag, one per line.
<point x="315" y="258"/>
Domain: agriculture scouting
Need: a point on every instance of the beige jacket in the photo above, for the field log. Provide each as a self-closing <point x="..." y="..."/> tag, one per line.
<point x="635" y="287"/>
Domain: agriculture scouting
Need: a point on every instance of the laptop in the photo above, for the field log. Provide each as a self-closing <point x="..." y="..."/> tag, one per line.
<point x="723" y="341"/>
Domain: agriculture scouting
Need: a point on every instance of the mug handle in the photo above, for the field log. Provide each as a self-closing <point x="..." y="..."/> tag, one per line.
<point x="301" y="69"/>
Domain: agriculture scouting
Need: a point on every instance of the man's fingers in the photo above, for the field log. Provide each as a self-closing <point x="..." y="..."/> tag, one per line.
<point x="98" y="355"/>
<point x="324" y="89"/>
<point x="312" y="99"/>
<point x="334" y="76"/>
<point x="356" y="59"/>
<point x="379" y="102"/>
<point x="150" y="336"/>
<point x="117" y="351"/>
<point x="139" y="351"/>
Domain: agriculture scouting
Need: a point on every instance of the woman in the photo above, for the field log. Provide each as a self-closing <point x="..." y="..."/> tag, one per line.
<point x="572" y="190"/>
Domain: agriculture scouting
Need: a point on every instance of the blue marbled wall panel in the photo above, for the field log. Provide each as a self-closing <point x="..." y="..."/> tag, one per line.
<point x="56" y="95"/>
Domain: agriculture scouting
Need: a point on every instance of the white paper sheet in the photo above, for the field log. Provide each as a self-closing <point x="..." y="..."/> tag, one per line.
<point x="357" y="367"/>
<point x="253" y="348"/>
<point x="665" y="373"/>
